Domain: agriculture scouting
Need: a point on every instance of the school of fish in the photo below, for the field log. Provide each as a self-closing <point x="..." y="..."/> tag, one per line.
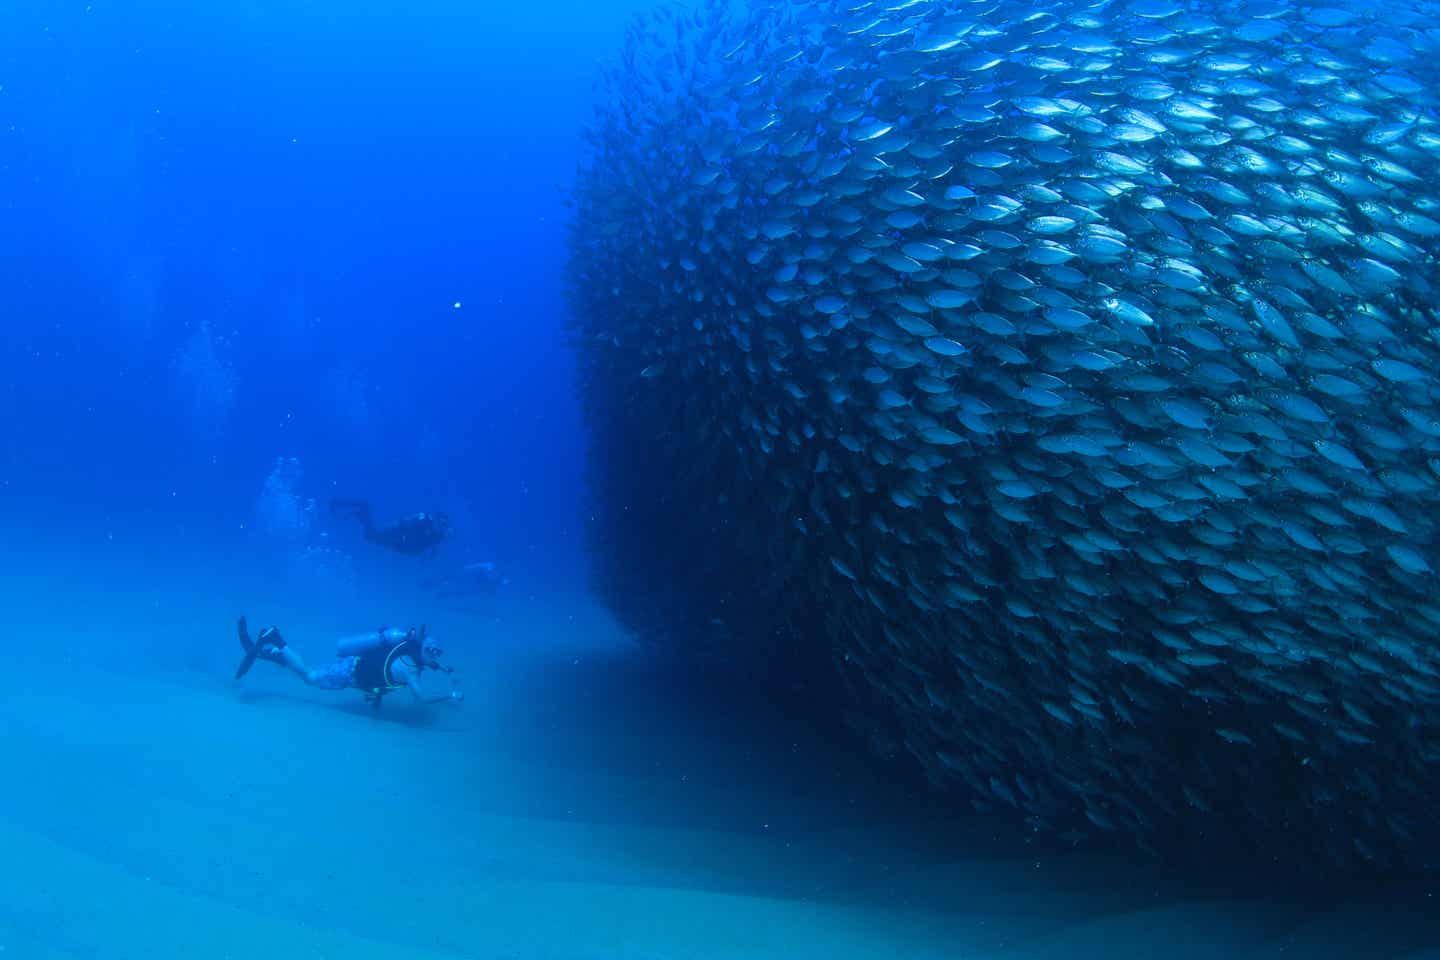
<point x="1067" y="373"/>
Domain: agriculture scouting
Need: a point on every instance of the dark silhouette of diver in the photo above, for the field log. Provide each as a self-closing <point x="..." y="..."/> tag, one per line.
<point x="374" y="663"/>
<point x="416" y="535"/>
<point x="473" y="579"/>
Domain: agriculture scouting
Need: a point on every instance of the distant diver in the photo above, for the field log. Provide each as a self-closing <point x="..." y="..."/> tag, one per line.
<point x="374" y="663"/>
<point x="473" y="579"/>
<point x="416" y="535"/>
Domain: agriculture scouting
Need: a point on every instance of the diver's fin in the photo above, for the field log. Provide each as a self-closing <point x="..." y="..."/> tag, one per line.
<point x="260" y="648"/>
<point x="251" y="648"/>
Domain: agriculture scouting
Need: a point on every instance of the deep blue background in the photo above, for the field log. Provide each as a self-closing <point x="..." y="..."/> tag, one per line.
<point x="236" y="231"/>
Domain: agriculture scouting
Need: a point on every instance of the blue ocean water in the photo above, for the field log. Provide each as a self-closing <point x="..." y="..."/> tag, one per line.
<point x="256" y="257"/>
<point x="311" y="231"/>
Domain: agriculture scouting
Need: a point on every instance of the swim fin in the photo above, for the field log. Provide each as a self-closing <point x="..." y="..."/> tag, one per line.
<point x="256" y="649"/>
<point x="252" y="650"/>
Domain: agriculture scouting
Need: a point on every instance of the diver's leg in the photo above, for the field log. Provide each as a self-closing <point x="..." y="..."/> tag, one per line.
<point x="289" y="659"/>
<point x="337" y="675"/>
<point x="367" y="524"/>
<point x="358" y="510"/>
<point x="332" y="676"/>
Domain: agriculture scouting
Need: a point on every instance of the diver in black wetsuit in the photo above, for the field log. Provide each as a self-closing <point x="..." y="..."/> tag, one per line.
<point x="416" y="535"/>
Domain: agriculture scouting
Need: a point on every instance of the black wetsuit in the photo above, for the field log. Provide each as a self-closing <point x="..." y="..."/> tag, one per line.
<point x="375" y="668"/>
<point x="413" y="535"/>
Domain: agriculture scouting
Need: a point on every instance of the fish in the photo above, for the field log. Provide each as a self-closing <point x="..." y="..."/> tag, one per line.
<point x="1062" y="378"/>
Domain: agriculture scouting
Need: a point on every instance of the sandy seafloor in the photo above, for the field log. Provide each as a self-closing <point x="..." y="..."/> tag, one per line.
<point x="581" y="804"/>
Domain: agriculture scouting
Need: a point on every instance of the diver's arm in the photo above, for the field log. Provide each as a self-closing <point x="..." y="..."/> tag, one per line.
<point x="404" y="669"/>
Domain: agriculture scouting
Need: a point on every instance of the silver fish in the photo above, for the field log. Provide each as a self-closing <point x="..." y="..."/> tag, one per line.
<point x="1066" y="377"/>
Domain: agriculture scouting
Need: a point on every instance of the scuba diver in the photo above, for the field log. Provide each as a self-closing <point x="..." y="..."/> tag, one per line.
<point x="415" y="535"/>
<point x="473" y="579"/>
<point x="374" y="663"/>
